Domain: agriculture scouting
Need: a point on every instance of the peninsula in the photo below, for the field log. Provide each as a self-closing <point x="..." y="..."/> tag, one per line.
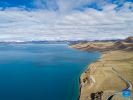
<point x="99" y="81"/>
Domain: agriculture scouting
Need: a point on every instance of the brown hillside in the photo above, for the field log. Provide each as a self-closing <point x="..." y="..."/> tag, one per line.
<point x="84" y="42"/>
<point x="129" y="39"/>
<point x="118" y="43"/>
<point x="99" y="76"/>
<point x="122" y="46"/>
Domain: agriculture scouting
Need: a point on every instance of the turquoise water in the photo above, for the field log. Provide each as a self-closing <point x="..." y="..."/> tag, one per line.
<point x="42" y="72"/>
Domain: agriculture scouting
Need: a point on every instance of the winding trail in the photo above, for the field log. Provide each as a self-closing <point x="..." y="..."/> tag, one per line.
<point x="128" y="83"/>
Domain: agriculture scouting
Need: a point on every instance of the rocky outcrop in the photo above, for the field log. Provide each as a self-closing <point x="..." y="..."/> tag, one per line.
<point x="97" y="96"/>
<point x="89" y="78"/>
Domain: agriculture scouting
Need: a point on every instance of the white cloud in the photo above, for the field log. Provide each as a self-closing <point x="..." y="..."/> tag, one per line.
<point x="1" y="8"/>
<point x="109" y="7"/>
<point x="67" y="23"/>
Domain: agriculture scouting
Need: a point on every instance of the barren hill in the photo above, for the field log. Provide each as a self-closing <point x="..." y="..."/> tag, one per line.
<point x="99" y="81"/>
<point x="84" y="42"/>
<point x="102" y="46"/>
<point x="129" y="39"/>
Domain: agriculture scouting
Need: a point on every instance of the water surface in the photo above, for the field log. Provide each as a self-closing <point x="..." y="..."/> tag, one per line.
<point x="42" y="72"/>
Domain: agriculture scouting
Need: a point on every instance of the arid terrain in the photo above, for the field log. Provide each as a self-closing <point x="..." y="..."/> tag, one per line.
<point x="99" y="81"/>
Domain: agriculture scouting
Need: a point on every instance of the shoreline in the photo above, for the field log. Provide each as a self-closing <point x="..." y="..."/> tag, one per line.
<point x="81" y="75"/>
<point x="98" y="79"/>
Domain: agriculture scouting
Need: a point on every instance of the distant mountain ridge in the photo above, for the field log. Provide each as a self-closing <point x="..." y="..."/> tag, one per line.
<point x="70" y="42"/>
<point x="103" y="46"/>
<point x="42" y="42"/>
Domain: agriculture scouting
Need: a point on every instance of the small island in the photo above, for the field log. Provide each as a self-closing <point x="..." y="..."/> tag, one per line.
<point x="100" y="81"/>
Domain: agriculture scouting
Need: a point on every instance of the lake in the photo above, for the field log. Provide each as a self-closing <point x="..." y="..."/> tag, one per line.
<point x="42" y="71"/>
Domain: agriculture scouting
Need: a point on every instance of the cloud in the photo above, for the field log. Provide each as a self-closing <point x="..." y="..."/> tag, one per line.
<point x="1" y="8"/>
<point x="64" y="22"/>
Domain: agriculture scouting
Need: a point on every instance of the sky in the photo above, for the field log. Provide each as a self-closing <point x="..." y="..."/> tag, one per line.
<point x="33" y="20"/>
